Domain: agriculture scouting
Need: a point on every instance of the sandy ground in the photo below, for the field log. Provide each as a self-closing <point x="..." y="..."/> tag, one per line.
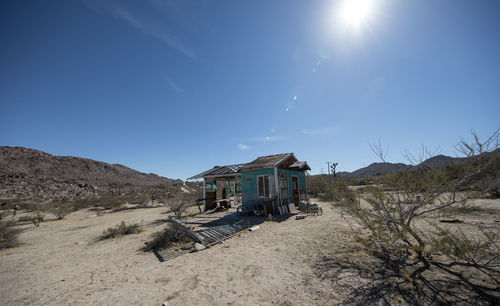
<point x="61" y="262"/>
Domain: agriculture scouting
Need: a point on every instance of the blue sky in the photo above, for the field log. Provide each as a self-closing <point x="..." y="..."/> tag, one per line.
<point x="175" y="87"/>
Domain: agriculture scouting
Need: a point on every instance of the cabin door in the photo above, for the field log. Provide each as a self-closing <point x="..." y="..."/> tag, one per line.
<point x="295" y="190"/>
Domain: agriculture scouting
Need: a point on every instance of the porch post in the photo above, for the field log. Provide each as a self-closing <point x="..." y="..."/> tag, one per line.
<point x="277" y="190"/>
<point x="204" y="195"/>
<point x="234" y="192"/>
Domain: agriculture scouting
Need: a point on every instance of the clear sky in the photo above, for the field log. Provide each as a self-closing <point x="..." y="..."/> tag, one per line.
<point x="175" y="87"/>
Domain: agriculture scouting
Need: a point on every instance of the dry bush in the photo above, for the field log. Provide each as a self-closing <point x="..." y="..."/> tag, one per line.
<point x="339" y="193"/>
<point x="61" y="209"/>
<point x="431" y="263"/>
<point x="38" y="218"/>
<point x="179" y="202"/>
<point x="121" y="230"/>
<point x="8" y="234"/>
<point x="171" y="235"/>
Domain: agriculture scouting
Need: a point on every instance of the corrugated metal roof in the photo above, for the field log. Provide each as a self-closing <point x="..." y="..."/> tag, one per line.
<point x="266" y="161"/>
<point x="260" y="162"/>
<point x="219" y="171"/>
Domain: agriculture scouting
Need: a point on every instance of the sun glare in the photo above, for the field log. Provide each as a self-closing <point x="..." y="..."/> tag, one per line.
<point x="356" y="13"/>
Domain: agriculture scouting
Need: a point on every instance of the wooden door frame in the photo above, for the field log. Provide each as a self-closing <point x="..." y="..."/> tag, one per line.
<point x="298" y="188"/>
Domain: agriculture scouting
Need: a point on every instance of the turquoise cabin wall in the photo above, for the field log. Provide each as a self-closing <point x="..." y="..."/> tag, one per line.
<point x="249" y="183"/>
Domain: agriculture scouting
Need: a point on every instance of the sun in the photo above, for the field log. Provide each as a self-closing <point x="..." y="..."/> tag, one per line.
<point x="355" y="14"/>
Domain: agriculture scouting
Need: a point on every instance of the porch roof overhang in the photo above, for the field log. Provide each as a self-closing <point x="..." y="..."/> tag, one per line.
<point x="300" y="165"/>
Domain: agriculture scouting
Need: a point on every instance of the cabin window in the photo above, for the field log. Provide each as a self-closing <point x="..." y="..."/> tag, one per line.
<point x="264" y="186"/>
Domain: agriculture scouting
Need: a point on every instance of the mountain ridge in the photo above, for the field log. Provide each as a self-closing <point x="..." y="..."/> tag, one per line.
<point x="26" y="172"/>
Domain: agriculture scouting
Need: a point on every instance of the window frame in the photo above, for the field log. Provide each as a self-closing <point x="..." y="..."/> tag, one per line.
<point x="268" y="194"/>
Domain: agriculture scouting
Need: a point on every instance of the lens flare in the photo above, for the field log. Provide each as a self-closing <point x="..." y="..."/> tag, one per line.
<point x="355" y="14"/>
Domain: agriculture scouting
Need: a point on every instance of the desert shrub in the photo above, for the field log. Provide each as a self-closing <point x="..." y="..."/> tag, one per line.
<point x="116" y="201"/>
<point x="83" y="202"/>
<point x="8" y="234"/>
<point x="316" y="184"/>
<point x="171" y="235"/>
<point x="26" y="218"/>
<point x="179" y="202"/>
<point x="38" y="218"/>
<point x="121" y="230"/>
<point x="429" y="263"/>
<point x="339" y="193"/>
<point x="60" y="209"/>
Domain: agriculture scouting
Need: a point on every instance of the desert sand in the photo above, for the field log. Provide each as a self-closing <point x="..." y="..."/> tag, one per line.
<point x="61" y="262"/>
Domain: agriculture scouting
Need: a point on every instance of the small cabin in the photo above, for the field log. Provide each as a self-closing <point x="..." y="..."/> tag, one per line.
<point x="269" y="182"/>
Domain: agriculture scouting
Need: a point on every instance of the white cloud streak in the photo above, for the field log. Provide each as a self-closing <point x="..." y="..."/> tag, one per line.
<point x="174" y="86"/>
<point x="155" y="31"/>
<point x="324" y="131"/>
<point x="268" y="138"/>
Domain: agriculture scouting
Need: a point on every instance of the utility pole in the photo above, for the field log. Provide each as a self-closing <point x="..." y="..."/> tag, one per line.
<point x="329" y="178"/>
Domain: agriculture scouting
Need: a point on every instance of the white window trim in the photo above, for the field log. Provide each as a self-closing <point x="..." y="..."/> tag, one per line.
<point x="268" y="195"/>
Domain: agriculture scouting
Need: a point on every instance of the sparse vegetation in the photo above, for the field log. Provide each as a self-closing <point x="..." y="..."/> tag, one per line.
<point x="426" y="261"/>
<point x="8" y="234"/>
<point x="169" y="236"/>
<point x="179" y="202"/>
<point x="121" y="230"/>
<point x="61" y="208"/>
<point x="37" y="218"/>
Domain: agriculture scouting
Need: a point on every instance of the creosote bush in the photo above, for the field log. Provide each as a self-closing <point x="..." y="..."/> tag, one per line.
<point x="169" y="236"/>
<point x="178" y="202"/>
<point x="61" y="209"/>
<point x="38" y="218"/>
<point x="8" y="234"/>
<point x="121" y="230"/>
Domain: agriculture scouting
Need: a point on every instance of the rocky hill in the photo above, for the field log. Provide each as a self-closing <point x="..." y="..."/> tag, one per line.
<point x="435" y="162"/>
<point x="376" y="169"/>
<point x="27" y="173"/>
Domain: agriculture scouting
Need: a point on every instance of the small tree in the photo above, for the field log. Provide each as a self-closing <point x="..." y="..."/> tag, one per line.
<point x="178" y="202"/>
<point x="417" y="248"/>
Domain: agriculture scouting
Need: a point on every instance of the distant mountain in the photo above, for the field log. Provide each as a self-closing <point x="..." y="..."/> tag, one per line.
<point x="31" y="173"/>
<point x="440" y="161"/>
<point x="377" y="169"/>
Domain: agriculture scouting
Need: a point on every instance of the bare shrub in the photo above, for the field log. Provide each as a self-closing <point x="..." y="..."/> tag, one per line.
<point x="171" y="235"/>
<point x="8" y="234"/>
<point x="38" y="218"/>
<point x="339" y="193"/>
<point x="179" y="202"/>
<point x="121" y="230"/>
<point x="61" y="209"/>
<point x="416" y="258"/>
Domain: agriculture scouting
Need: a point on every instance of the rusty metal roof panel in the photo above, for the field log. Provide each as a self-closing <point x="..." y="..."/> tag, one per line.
<point x="219" y="171"/>
<point x="266" y="161"/>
